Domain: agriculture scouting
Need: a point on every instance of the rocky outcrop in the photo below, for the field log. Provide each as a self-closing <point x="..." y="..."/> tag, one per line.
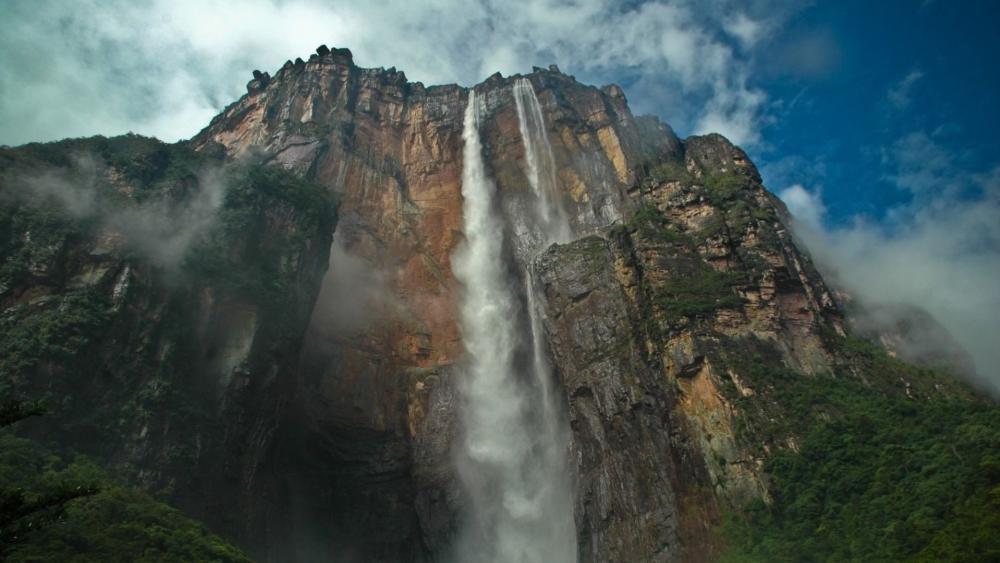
<point x="644" y="322"/>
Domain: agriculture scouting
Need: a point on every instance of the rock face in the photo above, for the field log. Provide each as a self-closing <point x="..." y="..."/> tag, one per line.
<point x="682" y="288"/>
<point x="647" y="323"/>
<point x="375" y="399"/>
<point x="683" y="275"/>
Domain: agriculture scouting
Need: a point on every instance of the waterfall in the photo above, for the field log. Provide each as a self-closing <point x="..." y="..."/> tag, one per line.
<point x="553" y="223"/>
<point x="511" y="463"/>
<point x="552" y="226"/>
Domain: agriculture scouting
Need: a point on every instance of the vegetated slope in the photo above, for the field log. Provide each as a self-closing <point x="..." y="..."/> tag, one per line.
<point x="875" y="478"/>
<point x="861" y="456"/>
<point x="153" y="297"/>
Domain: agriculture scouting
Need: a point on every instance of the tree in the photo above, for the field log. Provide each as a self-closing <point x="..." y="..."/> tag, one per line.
<point x="21" y="510"/>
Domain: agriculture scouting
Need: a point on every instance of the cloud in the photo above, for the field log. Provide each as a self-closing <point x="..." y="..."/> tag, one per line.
<point x="922" y="166"/>
<point x="165" y="67"/>
<point x="748" y="31"/>
<point x="804" y="205"/>
<point x="794" y="169"/>
<point x="940" y="252"/>
<point x="900" y="95"/>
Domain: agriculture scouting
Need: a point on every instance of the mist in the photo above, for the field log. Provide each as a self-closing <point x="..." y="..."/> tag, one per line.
<point x="939" y="253"/>
<point x="161" y="231"/>
<point x="354" y="297"/>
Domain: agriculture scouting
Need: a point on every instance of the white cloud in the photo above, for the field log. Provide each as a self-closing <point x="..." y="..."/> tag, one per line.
<point x="804" y="205"/>
<point x="166" y="67"/>
<point x="941" y="252"/>
<point x="900" y="95"/>
<point x="161" y="230"/>
<point x="747" y="31"/>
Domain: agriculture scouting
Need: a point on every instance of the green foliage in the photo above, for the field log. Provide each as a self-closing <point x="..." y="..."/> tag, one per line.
<point x="56" y="330"/>
<point x="671" y="171"/>
<point x="150" y="163"/>
<point x="699" y="292"/>
<point x="49" y="230"/>
<point x="876" y="477"/>
<point x="252" y="250"/>
<point x="724" y="187"/>
<point x="258" y="197"/>
<point x="653" y="225"/>
<point x="881" y="368"/>
<point x="12" y="411"/>
<point x="268" y="185"/>
<point x="742" y="213"/>
<point x="147" y="163"/>
<point x="695" y="288"/>
<point x="592" y="247"/>
<point x="266" y="215"/>
<point x="714" y="226"/>
<point x="69" y="510"/>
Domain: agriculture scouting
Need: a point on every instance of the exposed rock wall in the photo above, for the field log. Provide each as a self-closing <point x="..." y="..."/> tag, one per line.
<point x="647" y="381"/>
<point x="644" y="321"/>
<point x="376" y="403"/>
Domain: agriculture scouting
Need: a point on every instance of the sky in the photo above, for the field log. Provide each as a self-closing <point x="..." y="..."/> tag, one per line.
<point x="874" y="121"/>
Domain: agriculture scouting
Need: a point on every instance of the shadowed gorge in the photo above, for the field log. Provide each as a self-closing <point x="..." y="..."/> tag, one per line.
<point x="358" y="318"/>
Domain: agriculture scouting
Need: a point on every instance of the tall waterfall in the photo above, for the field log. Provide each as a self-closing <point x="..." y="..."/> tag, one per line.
<point x="511" y="462"/>
<point x="554" y="227"/>
<point x="553" y="224"/>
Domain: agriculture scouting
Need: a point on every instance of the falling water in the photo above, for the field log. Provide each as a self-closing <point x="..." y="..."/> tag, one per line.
<point x="520" y="508"/>
<point x="552" y="221"/>
<point x="553" y="227"/>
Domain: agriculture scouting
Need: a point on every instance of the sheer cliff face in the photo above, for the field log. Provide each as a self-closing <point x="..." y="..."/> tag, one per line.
<point x="683" y="277"/>
<point x="375" y="401"/>
<point x="392" y="150"/>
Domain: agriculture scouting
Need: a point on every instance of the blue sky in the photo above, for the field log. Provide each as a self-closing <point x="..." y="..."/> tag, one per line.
<point x="875" y="121"/>
<point x="896" y="68"/>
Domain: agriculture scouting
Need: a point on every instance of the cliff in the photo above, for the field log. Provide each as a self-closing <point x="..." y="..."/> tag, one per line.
<point x="391" y="150"/>
<point x="649" y="321"/>
<point x="156" y="299"/>
<point x="677" y="318"/>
